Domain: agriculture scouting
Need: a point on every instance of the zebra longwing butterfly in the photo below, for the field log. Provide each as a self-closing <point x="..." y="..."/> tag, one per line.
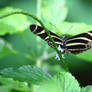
<point x="75" y="44"/>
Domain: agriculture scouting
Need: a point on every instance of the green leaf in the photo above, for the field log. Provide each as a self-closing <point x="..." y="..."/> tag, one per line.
<point x="5" y="48"/>
<point x="10" y="85"/>
<point x="68" y="28"/>
<point x="55" y="13"/>
<point x="5" y="88"/>
<point x="14" y="23"/>
<point x="62" y="82"/>
<point x="87" y="89"/>
<point x="26" y="73"/>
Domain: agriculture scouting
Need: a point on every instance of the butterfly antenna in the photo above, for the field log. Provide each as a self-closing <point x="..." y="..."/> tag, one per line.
<point x="69" y="29"/>
<point x="54" y="26"/>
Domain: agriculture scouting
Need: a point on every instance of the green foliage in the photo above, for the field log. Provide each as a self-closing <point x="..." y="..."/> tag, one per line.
<point x="79" y="11"/>
<point x="12" y="24"/>
<point x="35" y="80"/>
<point x="30" y="78"/>
<point x="70" y="28"/>
<point x="57" y="9"/>
<point x="5" y="48"/>
<point x="10" y="85"/>
<point x="61" y="82"/>
<point x="26" y="73"/>
<point x="87" y="89"/>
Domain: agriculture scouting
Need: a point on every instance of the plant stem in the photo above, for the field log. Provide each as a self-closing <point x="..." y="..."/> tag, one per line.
<point x="47" y="32"/>
<point x="38" y="14"/>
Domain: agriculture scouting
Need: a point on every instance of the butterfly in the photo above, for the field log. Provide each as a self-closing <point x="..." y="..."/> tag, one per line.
<point x="75" y="44"/>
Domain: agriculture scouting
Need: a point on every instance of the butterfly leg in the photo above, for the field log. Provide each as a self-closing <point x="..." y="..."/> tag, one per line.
<point x="62" y="52"/>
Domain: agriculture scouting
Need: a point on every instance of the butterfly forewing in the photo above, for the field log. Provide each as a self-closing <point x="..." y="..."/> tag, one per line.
<point x="38" y="30"/>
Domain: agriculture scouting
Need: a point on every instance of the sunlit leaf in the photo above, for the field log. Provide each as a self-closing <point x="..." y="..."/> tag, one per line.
<point x="87" y="89"/>
<point x="69" y="28"/>
<point x="62" y="82"/>
<point x="54" y="11"/>
<point x="14" y="23"/>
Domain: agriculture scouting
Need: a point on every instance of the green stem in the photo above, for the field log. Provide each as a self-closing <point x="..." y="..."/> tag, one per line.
<point x="47" y="32"/>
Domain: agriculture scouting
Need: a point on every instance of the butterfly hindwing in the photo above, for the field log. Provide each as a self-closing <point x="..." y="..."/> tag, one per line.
<point x="79" y="43"/>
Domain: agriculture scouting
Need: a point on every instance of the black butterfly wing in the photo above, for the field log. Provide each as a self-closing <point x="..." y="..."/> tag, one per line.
<point x="79" y="43"/>
<point x="38" y="30"/>
<point x="75" y="44"/>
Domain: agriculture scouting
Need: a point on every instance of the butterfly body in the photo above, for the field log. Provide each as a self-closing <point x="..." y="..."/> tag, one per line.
<point x="75" y="44"/>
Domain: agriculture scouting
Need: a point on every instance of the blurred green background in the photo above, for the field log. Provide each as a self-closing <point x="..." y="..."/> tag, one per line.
<point x="34" y="51"/>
